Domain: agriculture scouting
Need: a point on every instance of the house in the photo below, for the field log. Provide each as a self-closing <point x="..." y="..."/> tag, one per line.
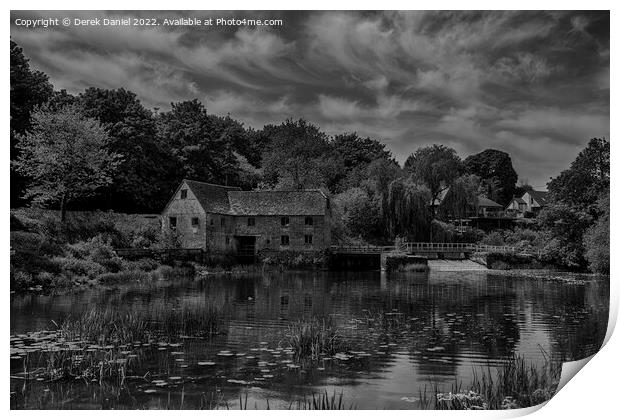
<point x="531" y="202"/>
<point x="516" y="207"/>
<point x="222" y="219"/>
<point x="488" y="208"/>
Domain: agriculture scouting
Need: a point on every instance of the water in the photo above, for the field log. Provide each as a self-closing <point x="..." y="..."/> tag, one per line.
<point x="459" y="321"/>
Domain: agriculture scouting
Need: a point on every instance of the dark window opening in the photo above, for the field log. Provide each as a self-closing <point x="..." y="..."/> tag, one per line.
<point x="227" y="240"/>
<point x="183" y="194"/>
<point x="309" y="221"/>
<point x="284" y="240"/>
<point x="251" y="221"/>
<point x="284" y="300"/>
<point x="195" y="222"/>
<point x="308" y="239"/>
<point x="173" y="222"/>
<point x="223" y="222"/>
<point x="284" y="221"/>
<point x="212" y="221"/>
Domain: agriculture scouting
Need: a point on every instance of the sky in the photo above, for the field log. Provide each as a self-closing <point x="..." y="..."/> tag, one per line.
<point x="533" y="84"/>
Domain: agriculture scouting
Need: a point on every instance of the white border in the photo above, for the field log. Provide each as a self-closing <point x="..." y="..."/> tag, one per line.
<point x="591" y="395"/>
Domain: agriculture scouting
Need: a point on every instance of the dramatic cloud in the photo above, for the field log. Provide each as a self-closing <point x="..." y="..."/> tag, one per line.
<point x="535" y="84"/>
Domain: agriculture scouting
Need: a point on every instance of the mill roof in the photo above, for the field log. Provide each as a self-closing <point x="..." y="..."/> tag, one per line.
<point x="213" y="198"/>
<point x="275" y="202"/>
<point x="231" y="200"/>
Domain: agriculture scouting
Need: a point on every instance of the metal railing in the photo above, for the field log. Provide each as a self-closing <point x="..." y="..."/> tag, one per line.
<point x="421" y="247"/>
<point x="412" y="247"/>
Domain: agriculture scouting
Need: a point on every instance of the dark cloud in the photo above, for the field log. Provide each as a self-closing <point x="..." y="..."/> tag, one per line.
<point x="535" y="84"/>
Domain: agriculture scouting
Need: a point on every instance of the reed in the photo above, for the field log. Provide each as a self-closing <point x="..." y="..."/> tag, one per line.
<point x="105" y="326"/>
<point x="313" y="339"/>
<point x="514" y="384"/>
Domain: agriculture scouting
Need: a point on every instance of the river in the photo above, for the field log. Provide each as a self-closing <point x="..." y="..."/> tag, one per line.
<point x="459" y="321"/>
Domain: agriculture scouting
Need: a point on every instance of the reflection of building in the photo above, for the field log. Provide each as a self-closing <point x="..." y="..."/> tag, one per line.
<point x="529" y="204"/>
<point x="225" y="219"/>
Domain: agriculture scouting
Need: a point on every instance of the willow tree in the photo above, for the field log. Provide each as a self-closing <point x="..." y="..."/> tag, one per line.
<point x="408" y="212"/>
<point x="460" y="200"/>
<point x="65" y="155"/>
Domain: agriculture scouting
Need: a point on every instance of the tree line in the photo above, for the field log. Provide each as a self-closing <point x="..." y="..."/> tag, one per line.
<point x="103" y="149"/>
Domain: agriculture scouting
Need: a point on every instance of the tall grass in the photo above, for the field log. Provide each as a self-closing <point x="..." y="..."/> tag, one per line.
<point x="313" y="339"/>
<point x="105" y="326"/>
<point x="514" y="384"/>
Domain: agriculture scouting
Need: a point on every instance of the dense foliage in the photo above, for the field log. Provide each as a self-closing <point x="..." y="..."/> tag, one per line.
<point x="495" y="169"/>
<point x="374" y="199"/>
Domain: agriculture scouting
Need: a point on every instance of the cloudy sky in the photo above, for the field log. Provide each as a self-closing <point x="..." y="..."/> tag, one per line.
<point x="534" y="84"/>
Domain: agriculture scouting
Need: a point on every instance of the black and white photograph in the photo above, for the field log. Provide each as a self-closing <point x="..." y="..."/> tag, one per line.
<point x="306" y="209"/>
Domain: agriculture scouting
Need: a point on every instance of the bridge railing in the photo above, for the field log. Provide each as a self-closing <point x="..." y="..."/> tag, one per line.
<point x="360" y="249"/>
<point x="412" y="247"/>
<point x="415" y="247"/>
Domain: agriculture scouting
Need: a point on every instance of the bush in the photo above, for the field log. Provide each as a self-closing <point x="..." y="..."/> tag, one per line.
<point x="493" y="238"/>
<point x="76" y="267"/>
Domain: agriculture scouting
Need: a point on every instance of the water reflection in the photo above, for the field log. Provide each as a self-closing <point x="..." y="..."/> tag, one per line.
<point x="455" y="321"/>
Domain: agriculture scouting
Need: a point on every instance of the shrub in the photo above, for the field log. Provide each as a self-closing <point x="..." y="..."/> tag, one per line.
<point x="493" y="238"/>
<point x="77" y="267"/>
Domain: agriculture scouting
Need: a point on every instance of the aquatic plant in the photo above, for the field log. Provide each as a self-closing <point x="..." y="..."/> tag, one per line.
<point x="514" y="384"/>
<point x="313" y="339"/>
<point x="105" y="326"/>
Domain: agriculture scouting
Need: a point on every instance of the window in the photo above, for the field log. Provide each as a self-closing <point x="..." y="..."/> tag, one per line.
<point x="228" y="240"/>
<point x="308" y="239"/>
<point x="284" y="221"/>
<point x="173" y="222"/>
<point x="183" y="194"/>
<point x="223" y="222"/>
<point x="284" y="240"/>
<point x="195" y="222"/>
<point x="212" y="221"/>
<point x="251" y="221"/>
<point x="309" y="221"/>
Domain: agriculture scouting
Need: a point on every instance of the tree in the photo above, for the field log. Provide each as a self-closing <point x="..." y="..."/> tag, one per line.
<point x="461" y="199"/>
<point x="596" y="239"/>
<point x="360" y="214"/>
<point x="29" y="89"/>
<point x="436" y="166"/>
<point x="408" y="212"/>
<point x="145" y="178"/>
<point x="495" y="169"/>
<point x="586" y="180"/>
<point x="565" y="226"/>
<point x="299" y="156"/>
<point x="200" y="151"/>
<point x="66" y="157"/>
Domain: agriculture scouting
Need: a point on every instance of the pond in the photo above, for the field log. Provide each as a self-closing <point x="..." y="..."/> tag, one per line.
<point x="456" y="322"/>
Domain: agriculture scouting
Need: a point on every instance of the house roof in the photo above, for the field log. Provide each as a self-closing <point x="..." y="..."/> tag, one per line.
<point x="231" y="200"/>
<point x="519" y="200"/>
<point x="213" y="198"/>
<point x="485" y="202"/>
<point x="275" y="202"/>
<point x="541" y="197"/>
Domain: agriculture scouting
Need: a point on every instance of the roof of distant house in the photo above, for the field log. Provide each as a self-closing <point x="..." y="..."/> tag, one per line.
<point x="518" y="200"/>
<point x="485" y="202"/>
<point x="231" y="200"/>
<point x="541" y="197"/>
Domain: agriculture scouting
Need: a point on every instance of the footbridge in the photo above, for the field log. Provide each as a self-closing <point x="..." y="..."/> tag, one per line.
<point x="350" y="257"/>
